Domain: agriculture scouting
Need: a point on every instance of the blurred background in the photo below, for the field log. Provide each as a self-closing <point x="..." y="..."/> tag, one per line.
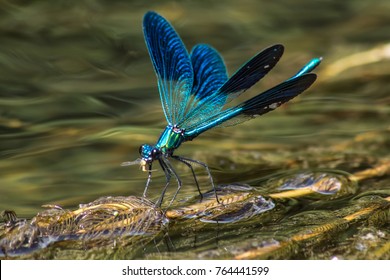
<point x="78" y="93"/>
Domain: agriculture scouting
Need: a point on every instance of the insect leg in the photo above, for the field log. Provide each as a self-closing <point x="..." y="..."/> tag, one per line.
<point x="168" y="173"/>
<point x="173" y="172"/>
<point x="192" y="170"/>
<point x="148" y="181"/>
<point x="208" y="172"/>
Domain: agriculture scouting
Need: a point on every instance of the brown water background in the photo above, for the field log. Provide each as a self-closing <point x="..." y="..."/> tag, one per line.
<point x="78" y="93"/>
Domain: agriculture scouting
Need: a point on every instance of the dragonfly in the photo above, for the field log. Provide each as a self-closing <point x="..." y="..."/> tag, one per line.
<point x="195" y="89"/>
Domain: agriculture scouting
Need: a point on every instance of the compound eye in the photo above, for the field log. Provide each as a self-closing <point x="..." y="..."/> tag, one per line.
<point x="154" y="153"/>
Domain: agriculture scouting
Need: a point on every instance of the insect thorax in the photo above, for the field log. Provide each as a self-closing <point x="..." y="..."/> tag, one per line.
<point x="170" y="139"/>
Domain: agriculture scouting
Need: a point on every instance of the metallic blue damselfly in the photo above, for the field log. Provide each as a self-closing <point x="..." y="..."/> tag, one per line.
<point x="194" y="89"/>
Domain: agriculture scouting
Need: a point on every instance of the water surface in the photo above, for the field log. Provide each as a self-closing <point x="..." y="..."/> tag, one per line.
<point x="78" y="96"/>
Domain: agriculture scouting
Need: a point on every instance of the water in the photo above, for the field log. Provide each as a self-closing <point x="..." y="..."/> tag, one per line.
<point x="78" y="96"/>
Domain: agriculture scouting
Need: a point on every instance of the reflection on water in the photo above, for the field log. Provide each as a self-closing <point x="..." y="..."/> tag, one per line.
<point x="78" y="96"/>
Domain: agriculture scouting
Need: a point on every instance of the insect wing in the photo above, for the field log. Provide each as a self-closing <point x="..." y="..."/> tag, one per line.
<point x="256" y="106"/>
<point x="209" y="71"/>
<point x="172" y="65"/>
<point x="248" y="75"/>
<point x="252" y="71"/>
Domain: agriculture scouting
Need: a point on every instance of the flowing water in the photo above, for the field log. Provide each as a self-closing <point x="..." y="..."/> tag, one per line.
<point x="78" y="96"/>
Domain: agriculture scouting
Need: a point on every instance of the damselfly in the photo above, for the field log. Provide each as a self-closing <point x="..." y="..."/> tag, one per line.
<point x="194" y="89"/>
